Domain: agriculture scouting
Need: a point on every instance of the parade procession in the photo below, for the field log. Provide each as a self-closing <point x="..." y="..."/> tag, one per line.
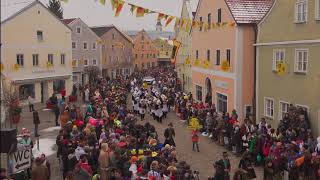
<point x="160" y="90"/>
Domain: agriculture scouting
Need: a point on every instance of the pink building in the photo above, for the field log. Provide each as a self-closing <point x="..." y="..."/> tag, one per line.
<point x="226" y="37"/>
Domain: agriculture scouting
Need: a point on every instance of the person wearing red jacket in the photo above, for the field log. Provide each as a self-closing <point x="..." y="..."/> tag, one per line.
<point x="195" y="140"/>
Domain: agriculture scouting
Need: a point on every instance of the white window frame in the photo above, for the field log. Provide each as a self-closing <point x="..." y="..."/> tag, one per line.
<point x="224" y="94"/>
<point x="196" y="88"/>
<point x="299" y="2"/>
<point x="296" y="63"/>
<point x="94" y="46"/>
<point x="75" y="45"/>
<point x="78" y="27"/>
<point x="21" y="59"/>
<point x="62" y="59"/>
<point x="265" y="108"/>
<point x="35" y="60"/>
<point x="85" y="42"/>
<point x="94" y="60"/>
<point x="303" y="106"/>
<point x="280" y="109"/>
<point x="276" y="59"/>
<point x="86" y="64"/>
<point x="317" y="10"/>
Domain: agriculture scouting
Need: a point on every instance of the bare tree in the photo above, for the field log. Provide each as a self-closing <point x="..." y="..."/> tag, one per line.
<point x="93" y="72"/>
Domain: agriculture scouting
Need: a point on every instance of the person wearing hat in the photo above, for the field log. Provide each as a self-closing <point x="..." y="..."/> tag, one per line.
<point x="39" y="170"/>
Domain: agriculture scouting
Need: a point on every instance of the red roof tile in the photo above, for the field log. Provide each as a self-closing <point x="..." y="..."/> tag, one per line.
<point x="68" y="21"/>
<point x="249" y="11"/>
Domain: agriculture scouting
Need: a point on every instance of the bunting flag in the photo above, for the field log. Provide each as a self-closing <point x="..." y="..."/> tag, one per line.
<point x="213" y="25"/>
<point x="133" y="8"/>
<point x="224" y="23"/>
<point x="103" y="2"/>
<point x="225" y="66"/>
<point x="169" y="20"/>
<point x="114" y="4"/>
<point x="188" y="26"/>
<point x="206" y="26"/>
<point x="140" y="12"/>
<point x="119" y="8"/>
<point x="194" y="24"/>
<point x="160" y="16"/>
<point x="177" y="22"/>
<point x="176" y="47"/>
<point x="182" y="22"/>
<point x="281" y="68"/>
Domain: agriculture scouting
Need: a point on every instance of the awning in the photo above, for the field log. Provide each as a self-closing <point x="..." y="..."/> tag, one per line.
<point x="33" y="80"/>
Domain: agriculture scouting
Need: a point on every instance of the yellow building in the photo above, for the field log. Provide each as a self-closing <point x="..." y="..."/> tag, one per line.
<point x="165" y="47"/>
<point x="183" y="36"/>
<point x="36" y="51"/>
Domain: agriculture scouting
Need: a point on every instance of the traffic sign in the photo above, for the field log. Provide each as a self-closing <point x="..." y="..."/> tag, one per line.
<point x="20" y="160"/>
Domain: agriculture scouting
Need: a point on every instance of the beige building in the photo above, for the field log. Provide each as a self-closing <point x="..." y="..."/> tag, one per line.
<point x="35" y="51"/>
<point x="165" y="47"/>
<point x="290" y="35"/>
<point x="183" y="35"/>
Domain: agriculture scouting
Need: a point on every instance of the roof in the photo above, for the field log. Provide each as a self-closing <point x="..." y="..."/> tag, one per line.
<point x="249" y="11"/>
<point x="68" y="21"/>
<point x="101" y="30"/>
<point x="8" y="10"/>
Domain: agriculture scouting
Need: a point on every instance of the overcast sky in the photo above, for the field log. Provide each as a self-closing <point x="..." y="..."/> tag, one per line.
<point x="95" y="14"/>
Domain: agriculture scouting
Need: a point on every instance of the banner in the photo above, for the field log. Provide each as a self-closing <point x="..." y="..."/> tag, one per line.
<point x="187" y="61"/>
<point x="119" y="8"/>
<point x="196" y="62"/>
<point x="140" y="12"/>
<point x="281" y="68"/>
<point x="169" y="20"/>
<point x="225" y="65"/>
<point x="206" y="64"/>
<point x="16" y="67"/>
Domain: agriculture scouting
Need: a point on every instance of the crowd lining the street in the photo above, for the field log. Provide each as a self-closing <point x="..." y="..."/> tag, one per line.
<point x="108" y="140"/>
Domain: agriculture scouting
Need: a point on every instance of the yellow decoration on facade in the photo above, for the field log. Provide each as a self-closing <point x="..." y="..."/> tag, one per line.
<point x="16" y="67"/>
<point x="225" y="66"/>
<point x="1" y="67"/>
<point x="49" y="65"/>
<point x="187" y="61"/>
<point x="194" y="124"/>
<point x="196" y="62"/>
<point x="281" y="68"/>
<point x="74" y="63"/>
<point x="206" y="64"/>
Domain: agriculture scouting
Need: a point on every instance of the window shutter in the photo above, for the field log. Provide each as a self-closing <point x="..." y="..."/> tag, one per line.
<point x="296" y="12"/>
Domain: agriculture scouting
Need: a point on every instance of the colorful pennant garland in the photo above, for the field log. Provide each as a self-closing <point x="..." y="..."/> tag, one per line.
<point x="169" y="20"/>
<point x="225" y="66"/>
<point x="16" y="67"/>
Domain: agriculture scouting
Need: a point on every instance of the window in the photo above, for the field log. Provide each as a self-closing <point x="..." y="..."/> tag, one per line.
<point x="228" y="56"/>
<point x="208" y="55"/>
<point x="142" y="37"/>
<point x="142" y="65"/>
<point x="248" y="111"/>
<point x="20" y="60"/>
<point x="209" y="20"/>
<point x="268" y="107"/>
<point x="40" y="35"/>
<point x="284" y="108"/>
<point x="85" y="62"/>
<point x="154" y="55"/>
<point x="25" y="90"/>
<point x="75" y="78"/>
<point x="147" y="55"/>
<point x="58" y="85"/>
<point x="85" y="45"/>
<point x="301" y="11"/>
<point x="136" y="56"/>
<point x="301" y="60"/>
<point x="142" y="55"/>
<point x="94" y="62"/>
<point x="50" y="59"/>
<point x="167" y="53"/>
<point x="317" y="10"/>
<point x="112" y="47"/>
<point x="219" y="16"/>
<point x="78" y="30"/>
<point x="197" y="54"/>
<point x="222" y="103"/>
<point x="94" y="46"/>
<point x="35" y="59"/>
<point x="148" y="64"/>
<point x="74" y="45"/>
<point x="113" y="36"/>
<point x="153" y="64"/>
<point x="201" y="24"/>
<point x="199" y="93"/>
<point x="63" y="59"/>
<point x="278" y="56"/>
<point x="218" y="57"/>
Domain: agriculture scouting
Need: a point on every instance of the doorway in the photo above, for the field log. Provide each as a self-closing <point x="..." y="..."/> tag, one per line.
<point x="44" y="92"/>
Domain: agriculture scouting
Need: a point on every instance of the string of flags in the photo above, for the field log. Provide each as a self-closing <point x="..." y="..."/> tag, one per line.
<point x="183" y="23"/>
<point x="225" y="66"/>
